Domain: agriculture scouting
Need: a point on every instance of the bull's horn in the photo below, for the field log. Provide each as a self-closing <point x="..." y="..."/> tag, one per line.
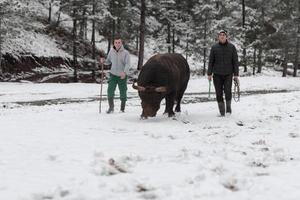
<point x="161" y="89"/>
<point x="137" y="87"/>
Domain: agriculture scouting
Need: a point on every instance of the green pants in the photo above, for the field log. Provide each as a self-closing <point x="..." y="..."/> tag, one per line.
<point x="113" y="81"/>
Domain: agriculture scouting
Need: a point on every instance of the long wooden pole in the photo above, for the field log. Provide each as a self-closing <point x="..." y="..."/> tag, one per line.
<point x="101" y="86"/>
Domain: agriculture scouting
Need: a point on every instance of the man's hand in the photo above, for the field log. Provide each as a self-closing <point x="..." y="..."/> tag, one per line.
<point x="102" y="60"/>
<point x="209" y="78"/>
<point x="236" y="78"/>
<point x="123" y="75"/>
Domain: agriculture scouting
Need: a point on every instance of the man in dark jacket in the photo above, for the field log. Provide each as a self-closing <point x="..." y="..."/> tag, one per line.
<point x="222" y="68"/>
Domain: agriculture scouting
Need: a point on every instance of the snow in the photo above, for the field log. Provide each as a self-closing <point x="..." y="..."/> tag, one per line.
<point x="26" y="36"/>
<point x="38" y="44"/>
<point x="68" y="150"/>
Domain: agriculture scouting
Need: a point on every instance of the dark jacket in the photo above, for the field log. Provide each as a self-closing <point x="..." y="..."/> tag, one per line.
<point x="223" y="60"/>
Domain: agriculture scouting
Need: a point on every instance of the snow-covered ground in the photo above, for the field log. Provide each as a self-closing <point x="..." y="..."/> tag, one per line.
<point x="67" y="150"/>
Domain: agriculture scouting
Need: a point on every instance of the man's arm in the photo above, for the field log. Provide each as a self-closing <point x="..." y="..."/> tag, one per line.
<point x="106" y="61"/>
<point x="210" y="63"/>
<point x="127" y="63"/>
<point x="235" y="62"/>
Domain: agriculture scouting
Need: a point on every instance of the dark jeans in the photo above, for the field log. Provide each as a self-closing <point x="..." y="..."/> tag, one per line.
<point x="223" y="83"/>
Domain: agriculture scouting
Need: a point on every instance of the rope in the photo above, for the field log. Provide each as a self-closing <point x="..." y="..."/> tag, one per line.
<point x="236" y="91"/>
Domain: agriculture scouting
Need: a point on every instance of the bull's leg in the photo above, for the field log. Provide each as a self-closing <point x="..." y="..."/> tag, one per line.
<point x="170" y="104"/>
<point x="178" y="108"/>
<point x="179" y="97"/>
<point x="166" y="107"/>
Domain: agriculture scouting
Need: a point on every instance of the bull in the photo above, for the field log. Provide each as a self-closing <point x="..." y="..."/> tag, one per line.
<point x="162" y="76"/>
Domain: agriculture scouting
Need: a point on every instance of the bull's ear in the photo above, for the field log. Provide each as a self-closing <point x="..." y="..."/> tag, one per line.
<point x="161" y="89"/>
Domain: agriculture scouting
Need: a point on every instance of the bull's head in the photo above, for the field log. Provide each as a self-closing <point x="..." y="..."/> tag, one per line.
<point x="151" y="97"/>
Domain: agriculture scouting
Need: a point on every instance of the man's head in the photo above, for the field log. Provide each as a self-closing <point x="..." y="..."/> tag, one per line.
<point x="117" y="43"/>
<point x="222" y="36"/>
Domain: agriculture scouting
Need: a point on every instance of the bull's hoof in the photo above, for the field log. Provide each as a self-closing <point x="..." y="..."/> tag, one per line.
<point x="177" y="109"/>
<point x="143" y="117"/>
<point x="171" y="114"/>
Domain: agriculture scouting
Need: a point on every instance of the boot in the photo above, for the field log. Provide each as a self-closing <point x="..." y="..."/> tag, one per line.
<point x="221" y="106"/>
<point x="123" y="103"/>
<point x="228" y="106"/>
<point x="111" y="105"/>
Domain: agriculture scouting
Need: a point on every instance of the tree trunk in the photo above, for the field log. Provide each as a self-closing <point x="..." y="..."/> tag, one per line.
<point x="113" y="22"/>
<point x="173" y="40"/>
<point x="118" y="28"/>
<point x="113" y="30"/>
<point x="284" y="71"/>
<point x="142" y="34"/>
<point x="93" y="35"/>
<point x="85" y="29"/>
<point x="1" y="71"/>
<point x="82" y="24"/>
<point x="50" y="12"/>
<point x="296" y="63"/>
<point x="187" y="46"/>
<point x="244" y="32"/>
<point x="74" y="44"/>
<point x="244" y="59"/>
<point x="169" y="37"/>
<point x="259" y="59"/>
<point x="204" y="49"/>
<point x="254" y="60"/>
<point x="261" y="36"/>
<point x="137" y="40"/>
<point x="58" y="18"/>
<point x="217" y="5"/>
<point x="243" y="14"/>
<point x="108" y="45"/>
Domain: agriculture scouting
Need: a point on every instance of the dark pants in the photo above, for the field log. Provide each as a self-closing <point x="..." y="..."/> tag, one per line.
<point x="223" y="84"/>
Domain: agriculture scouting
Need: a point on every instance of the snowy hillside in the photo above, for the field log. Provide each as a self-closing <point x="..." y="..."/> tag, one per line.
<point x="27" y="32"/>
<point x="33" y="48"/>
<point x="55" y="145"/>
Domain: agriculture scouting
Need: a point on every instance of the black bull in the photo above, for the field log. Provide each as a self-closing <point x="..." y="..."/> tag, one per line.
<point x="162" y="76"/>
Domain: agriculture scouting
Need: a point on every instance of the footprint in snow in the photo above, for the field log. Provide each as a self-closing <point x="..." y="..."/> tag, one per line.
<point x="240" y="123"/>
<point x="294" y="135"/>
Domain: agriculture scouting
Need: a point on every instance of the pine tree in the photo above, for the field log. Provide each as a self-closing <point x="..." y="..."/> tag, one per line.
<point x="142" y="34"/>
<point x="203" y="33"/>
